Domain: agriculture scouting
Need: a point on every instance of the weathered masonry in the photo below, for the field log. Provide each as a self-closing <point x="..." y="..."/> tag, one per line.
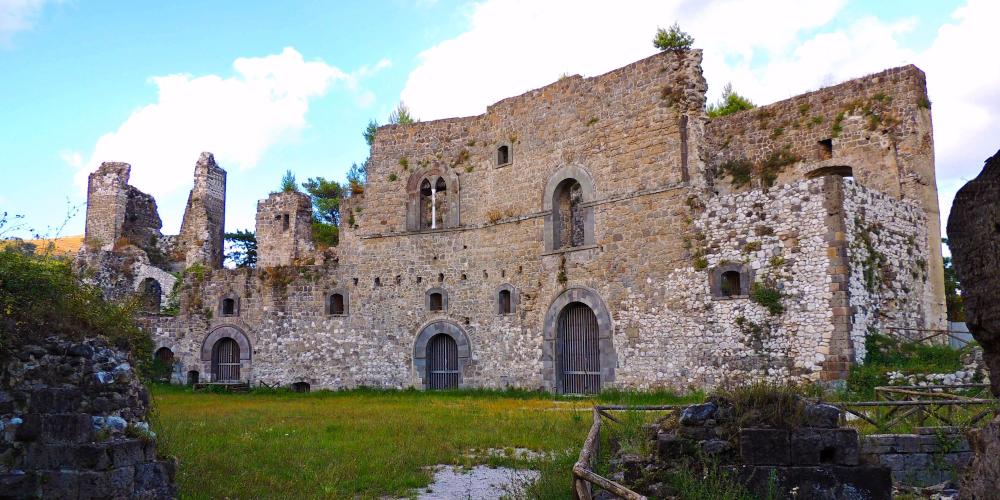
<point x="597" y="232"/>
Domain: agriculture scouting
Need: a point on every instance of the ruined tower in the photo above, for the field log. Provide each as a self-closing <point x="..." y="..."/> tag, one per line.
<point x="107" y="199"/>
<point x="203" y="228"/>
<point x="284" y="229"/>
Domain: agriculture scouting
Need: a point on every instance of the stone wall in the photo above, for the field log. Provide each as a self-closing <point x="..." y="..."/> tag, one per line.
<point x="73" y="425"/>
<point x="284" y="229"/>
<point x="107" y="199"/>
<point x="878" y="125"/>
<point x="932" y="456"/>
<point x="203" y="228"/>
<point x="889" y="266"/>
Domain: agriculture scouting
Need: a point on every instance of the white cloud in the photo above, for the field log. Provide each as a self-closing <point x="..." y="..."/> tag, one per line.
<point x="238" y="118"/>
<point x="513" y="46"/>
<point x="18" y="15"/>
<point x="72" y="158"/>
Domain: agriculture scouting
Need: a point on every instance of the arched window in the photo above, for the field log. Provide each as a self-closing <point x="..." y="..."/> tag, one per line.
<point x="163" y="364"/>
<point x="337" y="304"/>
<point x="505" y="302"/>
<point x="152" y="294"/>
<point x="228" y="307"/>
<point x="506" y="299"/>
<point x="436" y="302"/>
<point x="432" y="200"/>
<point x="730" y="284"/>
<point x="503" y="155"/>
<point x="570" y="222"/>
<point x="226" y="360"/>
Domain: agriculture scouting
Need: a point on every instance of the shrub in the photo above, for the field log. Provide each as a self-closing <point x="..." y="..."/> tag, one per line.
<point x="730" y="103"/>
<point x="884" y="354"/>
<point x="672" y="39"/>
<point x="767" y="296"/>
<point x="40" y="296"/>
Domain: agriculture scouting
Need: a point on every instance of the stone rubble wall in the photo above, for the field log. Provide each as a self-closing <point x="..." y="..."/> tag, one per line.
<point x="879" y="125"/>
<point x="73" y="425"/>
<point x="932" y="456"/>
<point x="889" y="265"/>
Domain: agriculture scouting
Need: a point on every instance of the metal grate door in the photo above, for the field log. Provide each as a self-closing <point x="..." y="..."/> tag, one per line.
<point x="443" y="368"/>
<point x="578" y="354"/>
<point x="226" y="361"/>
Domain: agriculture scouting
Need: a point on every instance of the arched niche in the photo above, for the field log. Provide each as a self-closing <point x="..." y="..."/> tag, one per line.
<point x="563" y="184"/>
<point x="446" y="327"/>
<point x="423" y="180"/>
<point x="607" y="357"/>
<point x="242" y="341"/>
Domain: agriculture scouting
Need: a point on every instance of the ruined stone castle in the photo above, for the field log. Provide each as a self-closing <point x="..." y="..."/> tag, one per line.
<point x="595" y="233"/>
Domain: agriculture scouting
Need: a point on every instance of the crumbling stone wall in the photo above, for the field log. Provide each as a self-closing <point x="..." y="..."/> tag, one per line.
<point x="931" y="456"/>
<point x="878" y="125"/>
<point x="203" y="228"/>
<point x="107" y="201"/>
<point x="284" y="229"/>
<point x="142" y="221"/>
<point x="653" y="238"/>
<point x="73" y="425"/>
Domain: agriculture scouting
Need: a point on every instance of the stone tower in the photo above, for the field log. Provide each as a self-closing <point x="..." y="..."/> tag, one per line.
<point x="284" y="229"/>
<point x="203" y="228"/>
<point x="107" y="199"/>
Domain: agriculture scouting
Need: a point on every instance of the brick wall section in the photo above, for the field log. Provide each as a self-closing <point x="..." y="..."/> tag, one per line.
<point x="884" y="134"/>
<point x="203" y="227"/>
<point x="931" y="456"/>
<point x="840" y="355"/>
<point x="107" y="199"/>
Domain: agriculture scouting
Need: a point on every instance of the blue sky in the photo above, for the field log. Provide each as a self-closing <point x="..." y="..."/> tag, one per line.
<point x="269" y="86"/>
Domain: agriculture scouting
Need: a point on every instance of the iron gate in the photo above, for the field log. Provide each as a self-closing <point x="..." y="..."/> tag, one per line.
<point x="578" y="354"/>
<point x="443" y="368"/>
<point x="226" y="361"/>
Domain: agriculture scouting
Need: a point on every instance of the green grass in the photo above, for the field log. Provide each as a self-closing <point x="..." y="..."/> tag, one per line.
<point x="366" y="443"/>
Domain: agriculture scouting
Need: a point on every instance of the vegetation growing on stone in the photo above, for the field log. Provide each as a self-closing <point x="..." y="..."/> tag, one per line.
<point x="41" y="296"/>
<point x="242" y="248"/>
<point x="730" y="103"/>
<point x="884" y="354"/>
<point x="672" y="39"/>
<point x="288" y="183"/>
<point x="768" y="296"/>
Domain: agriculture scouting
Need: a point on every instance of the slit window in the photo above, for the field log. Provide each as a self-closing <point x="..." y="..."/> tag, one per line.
<point x="436" y="302"/>
<point x="228" y="307"/>
<point x="730" y="284"/>
<point x="503" y="155"/>
<point x="285" y="222"/>
<point x="337" y="304"/>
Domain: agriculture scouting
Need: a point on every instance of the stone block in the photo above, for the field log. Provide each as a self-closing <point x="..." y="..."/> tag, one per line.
<point x="94" y="485"/>
<point x="18" y="485"/>
<point x="816" y="483"/>
<point x="812" y="446"/>
<point x="30" y="428"/>
<point x="126" y="453"/>
<point x="151" y="476"/>
<point x="764" y="446"/>
<point x="670" y="446"/>
<point x="67" y="428"/>
<point x="59" y="483"/>
<point x="822" y="415"/>
<point x="55" y="400"/>
<point x="696" y="415"/>
<point x="697" y="433"/>
<point x="121" y="481"/>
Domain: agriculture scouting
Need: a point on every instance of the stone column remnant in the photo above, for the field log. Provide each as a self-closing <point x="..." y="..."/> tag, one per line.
<point x="107" y="199"/>
<point x="284" y="229"/>
<point x="203" y="228"/>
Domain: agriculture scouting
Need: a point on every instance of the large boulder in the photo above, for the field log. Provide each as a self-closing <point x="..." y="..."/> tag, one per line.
<point x="974" y="239"/>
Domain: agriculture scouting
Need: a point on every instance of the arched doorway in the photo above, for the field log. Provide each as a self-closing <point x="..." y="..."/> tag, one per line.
<point x="152" y="294"/>
<point x="578" y="351"/>
<point x="578" y="359"/>
<point x="441" y="353"/>
<point x="442" y="362"/>
<point x="226" y="361"/>
<point x="163" y="364"/>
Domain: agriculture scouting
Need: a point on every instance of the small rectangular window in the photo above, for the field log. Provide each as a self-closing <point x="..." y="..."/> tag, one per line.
<point x="228" y="307"/>
<point x="285" y="223"/>
<point x="825" y="149"/>
<point x="337" y="304"/>
<point x="504" y="302"/>
<point x="503" y="155"/>
<point x="436" y="302"/>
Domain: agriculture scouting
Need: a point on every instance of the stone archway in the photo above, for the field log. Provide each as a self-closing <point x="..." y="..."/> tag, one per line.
<point x="605" y="356"/>
<point x="565" y="202"/>
<point x="421" y="362"/>
<point x="243" y="346"/>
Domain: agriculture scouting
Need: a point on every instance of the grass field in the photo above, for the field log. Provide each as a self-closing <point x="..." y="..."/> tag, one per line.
<point x="364" y="443"/>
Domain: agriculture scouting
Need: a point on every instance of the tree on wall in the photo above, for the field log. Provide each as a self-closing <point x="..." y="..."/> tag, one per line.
<point x="370" y="132"/>
<point x="325" y="196"/>
<point x="400" y="116"/>
<point x="730" y="103"/>
<point x="242" y="248"/>
<point x="288" y="182"/>
<point x="672" y="39"/>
